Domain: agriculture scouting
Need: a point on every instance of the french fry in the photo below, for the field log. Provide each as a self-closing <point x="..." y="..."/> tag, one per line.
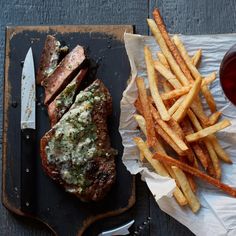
<point x="151" y="137"/>
<point x="138" y="106"/>
<point x="141" y="156"/>
<point x="157" y="166"/>
<point x="200" y="154"/>
<point x="179" y="142"/>
<point x="168" y="140"/>
<point x="152" y="77"/>
<point x="183" y="108"/>
<point x="219" y="150"/>
<point x="175" y="93"/>
<point x="199" y="112"/>
<point x="214" y="117"/>
<point x="167" y="74"/>
<point x="158" y="147"/>
<point x="184" y="184"/>
<point x="165" y="50"/>
<point x="214" y="158"/>
<point x="187" y="129"/>
<point x="176" y="105"/>
<point x="207" y="131"/>
<point x="209" y="146"/>
<point x="174" y="51"/>
<point x="163" y="60"/>
<point x="193" y="171"/>
<point x="176" y="128"/>
<point x="196" y="57"/>
<point x="194" y="71"/>
<point x="183" y="90"/>
<point x="209" y="98"/>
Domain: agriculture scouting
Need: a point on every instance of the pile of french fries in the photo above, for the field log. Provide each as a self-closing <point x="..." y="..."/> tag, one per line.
<point x="171" y="116"/>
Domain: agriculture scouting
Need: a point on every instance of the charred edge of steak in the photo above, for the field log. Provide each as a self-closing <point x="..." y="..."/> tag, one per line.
<point x="52" y="51"/>
<point x="63" y="74"/>
<point x="86" y="167"/>
<point x="65" y="99"/>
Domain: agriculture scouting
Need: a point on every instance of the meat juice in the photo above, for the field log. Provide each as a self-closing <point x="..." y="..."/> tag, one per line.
<point x="228" y="74"/>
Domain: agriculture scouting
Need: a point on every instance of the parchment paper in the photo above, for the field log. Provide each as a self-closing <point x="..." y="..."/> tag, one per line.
<point x="217" y="215"/>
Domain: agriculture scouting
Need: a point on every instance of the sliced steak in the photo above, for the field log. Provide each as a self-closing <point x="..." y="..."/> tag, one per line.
<point x="65" y="99"/>
<point x="76" y="152"/>
<point x="49" y="58"/>
<point x="63" y="74"/>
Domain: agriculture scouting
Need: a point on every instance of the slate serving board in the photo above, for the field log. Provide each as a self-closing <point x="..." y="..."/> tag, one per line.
<point x="63" y="213"/>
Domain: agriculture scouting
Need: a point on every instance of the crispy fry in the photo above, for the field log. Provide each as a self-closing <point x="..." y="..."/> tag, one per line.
<point x="159" y="168"/>
<point x="209" y="98"/>
<point x="196" y="106"/>
<point x="138" y="106"/>
<point x="168" y="140"/>
<point x="179" y="142"/>
<point x="176" y="128"/>
<point x="184" y="184"/>
<point x="152" y="77"/>
<point x="165" y="50"/>
<point x="183" y="108"/>
<point x="141" y="156"/>
<point x="200" y="154"/>
<point x="151" y="138"/>
<point x="209" y="146"/>
<point x="183" y="90"/>
<point x="219" y="150"/>
<point x="196" y="172"/>
<point x="187" y="129"/>
<point x="176" y="105"/>
<point x="167" y="74"/>
<point x="194" y="71"/>
<point x="196" y="57"/>
<point x="175" y="93"/>
<point x="163" y="60"/>
<point x="207" y="131"/>
<point x="158" y="19"/>
<point x="214" y="117"/>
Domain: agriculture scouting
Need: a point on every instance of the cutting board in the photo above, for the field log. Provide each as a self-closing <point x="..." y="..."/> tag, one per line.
<point x="62" y="212"/>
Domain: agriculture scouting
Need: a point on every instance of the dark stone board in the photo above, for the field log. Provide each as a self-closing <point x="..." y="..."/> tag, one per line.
<point x="62" y="212"/>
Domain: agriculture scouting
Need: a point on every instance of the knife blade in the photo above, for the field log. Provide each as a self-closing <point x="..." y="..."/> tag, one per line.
<point x="28" y="133"/>
<point x="121" y="230"/>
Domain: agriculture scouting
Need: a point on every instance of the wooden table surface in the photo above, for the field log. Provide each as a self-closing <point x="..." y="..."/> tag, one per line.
<point x="181" y="16"/>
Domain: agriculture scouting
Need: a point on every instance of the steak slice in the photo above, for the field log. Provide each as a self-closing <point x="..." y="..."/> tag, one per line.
<point x="77" y="152"/>
<point x="63" y="74"/>
<point x="49" y="58"/>
<point x="65" y="99"/>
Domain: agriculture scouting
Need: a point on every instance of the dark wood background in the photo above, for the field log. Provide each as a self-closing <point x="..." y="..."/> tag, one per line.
<point x="181" y="16"/>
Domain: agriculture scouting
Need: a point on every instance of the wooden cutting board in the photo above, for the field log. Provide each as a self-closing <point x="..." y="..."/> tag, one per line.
<point x="63" y="213"/>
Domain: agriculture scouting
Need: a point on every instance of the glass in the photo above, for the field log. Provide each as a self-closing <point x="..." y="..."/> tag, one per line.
<point x="228" y="74"/>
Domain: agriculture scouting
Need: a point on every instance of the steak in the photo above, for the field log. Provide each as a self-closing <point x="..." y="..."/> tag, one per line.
<point x="49" y="58"/>
<point x="63" y="74"/>
<point x="77" y="152"/>
<point x="65" y="99"/>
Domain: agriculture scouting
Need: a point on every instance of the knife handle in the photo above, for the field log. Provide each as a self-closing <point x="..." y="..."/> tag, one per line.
<point x="28" y="164"/>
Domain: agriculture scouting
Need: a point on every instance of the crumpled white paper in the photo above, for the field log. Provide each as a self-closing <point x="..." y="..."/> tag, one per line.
<point x="217" y="215"/>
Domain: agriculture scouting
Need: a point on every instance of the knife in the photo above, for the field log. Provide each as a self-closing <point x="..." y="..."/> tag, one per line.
<point x="28" y="133"/>
<point x="121" y="230"/>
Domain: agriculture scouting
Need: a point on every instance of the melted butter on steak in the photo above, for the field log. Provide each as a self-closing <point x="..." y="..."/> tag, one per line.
<point x="77" y="146"/>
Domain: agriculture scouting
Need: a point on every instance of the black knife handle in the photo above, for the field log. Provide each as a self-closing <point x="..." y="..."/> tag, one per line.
<point x="28" y="164"/>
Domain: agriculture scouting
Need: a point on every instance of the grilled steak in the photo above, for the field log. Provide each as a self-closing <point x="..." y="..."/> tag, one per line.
<point x="76" y="152"/>
<point x="65" y="99"/>
<point x="63" y="74"/>
<point x="49" y="58"/>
